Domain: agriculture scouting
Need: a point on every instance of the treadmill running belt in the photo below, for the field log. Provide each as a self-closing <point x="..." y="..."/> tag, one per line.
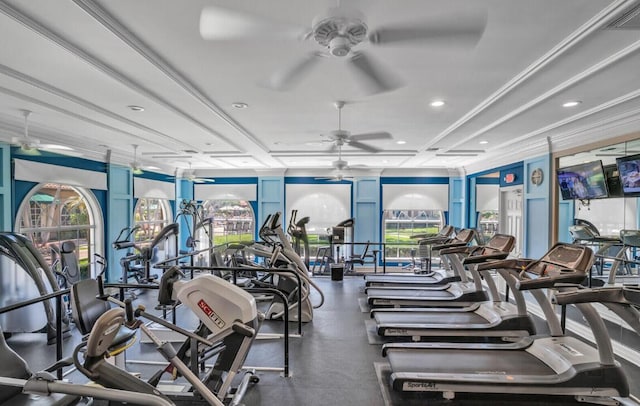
<point x="402" y="279"/>
<point x="400" y="318"/>
<point x="453" y="361"/>
<point x="408" y="293"/>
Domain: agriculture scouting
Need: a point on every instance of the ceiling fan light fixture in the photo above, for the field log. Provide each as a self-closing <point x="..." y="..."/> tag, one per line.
<point x="339" y="46"/>
<point x="571" y="103"/>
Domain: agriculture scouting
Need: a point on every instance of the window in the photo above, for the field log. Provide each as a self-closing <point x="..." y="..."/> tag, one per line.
<point x="326" y="205"/>
<point x="152" y="216"/>
<point x="488" y="223"/>
<point x="53" y="213"/>
<point x="401" y="225"/>
<point x="233" y="220"/>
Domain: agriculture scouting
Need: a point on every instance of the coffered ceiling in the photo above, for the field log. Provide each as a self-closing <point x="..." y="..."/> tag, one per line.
<point x="79" y="64"/>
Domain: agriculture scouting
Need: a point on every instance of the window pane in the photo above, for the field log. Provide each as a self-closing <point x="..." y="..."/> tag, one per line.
<point x="401" y="225"/>
<point x="233" y="220"/>
<point x="151" y="216"/>
<point x="57" y="213"/>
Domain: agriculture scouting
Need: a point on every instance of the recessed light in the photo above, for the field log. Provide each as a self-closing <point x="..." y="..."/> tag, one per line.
<point x="572" y="103"/>
<point x="483" y="142"/>
<point x="240" y="105"/>
<point x="401" y="142"/>
<point x="437" y="103"/>
<point x="136" y="108"/>
<point x="385" y="161"/>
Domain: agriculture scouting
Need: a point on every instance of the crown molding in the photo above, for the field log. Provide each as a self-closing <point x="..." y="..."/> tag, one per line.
<point x="594" y="24"/>
<point x="132" y="41"/>
<point x="593" y="69"/>
<point x="100" y="66"/>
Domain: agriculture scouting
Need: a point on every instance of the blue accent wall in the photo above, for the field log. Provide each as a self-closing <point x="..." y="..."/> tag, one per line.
<point x="6" y="220"/>
<point x="472" y="213"/>
<point x="119" y="214"/>
<point x="270" y="196"/>
<point x="457" y="202"/>
<point x="184" y="191"/>
<point x="537" y="208"/>
<point x="566" y="213"/>
<point x="366" y="211"/>
<point x="516" y="169"/>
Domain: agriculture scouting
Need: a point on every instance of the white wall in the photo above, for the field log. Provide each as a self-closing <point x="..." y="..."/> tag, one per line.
<point x="610" y="215"/>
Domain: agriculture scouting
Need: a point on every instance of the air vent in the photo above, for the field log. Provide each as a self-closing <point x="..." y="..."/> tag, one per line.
<point x="630" y="20"/>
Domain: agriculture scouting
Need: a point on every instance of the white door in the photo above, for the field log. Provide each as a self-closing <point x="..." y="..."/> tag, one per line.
<point x="511" y="213"/>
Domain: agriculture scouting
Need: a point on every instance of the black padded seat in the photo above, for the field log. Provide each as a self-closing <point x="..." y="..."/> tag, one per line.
<point x="87" y="308"/>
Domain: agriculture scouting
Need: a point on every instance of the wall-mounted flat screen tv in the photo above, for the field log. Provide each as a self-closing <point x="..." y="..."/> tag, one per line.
<point x="629" y="172"/>
<point x="583" y="181"/>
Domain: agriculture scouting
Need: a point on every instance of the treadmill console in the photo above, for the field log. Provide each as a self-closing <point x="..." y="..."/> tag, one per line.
<point x="563" y="263"/>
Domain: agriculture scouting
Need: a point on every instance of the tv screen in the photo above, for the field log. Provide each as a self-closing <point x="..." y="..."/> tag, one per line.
<point x="629" y="172"/>
<point x="584" y="181"/>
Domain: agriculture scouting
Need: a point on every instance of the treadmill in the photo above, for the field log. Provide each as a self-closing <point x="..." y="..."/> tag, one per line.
<point x="553" y="364"/>
<point x="436" y="277"/>
<point x="495" y="320"/>
<point x="456" y="294"/>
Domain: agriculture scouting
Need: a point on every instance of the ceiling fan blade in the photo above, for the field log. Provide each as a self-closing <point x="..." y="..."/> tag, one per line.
<point x="365" y="147"/>
<point x="55" y="147"/>
<point x="374" y="78"/>
<point x="380" y="135"/>
<point x="218" y="23"/>
<point x="465" y="30"/>
<point x="288" y="77"/>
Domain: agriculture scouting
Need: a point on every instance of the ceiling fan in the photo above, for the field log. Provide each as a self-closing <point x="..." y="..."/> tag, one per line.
<point x="340" y="169"/>
<point x="342" y="32"/>
<point x="32" y="146"/>
<point x="342" y="137"/>
<point x="135" y="166"/>
<point x="191" y="176"/>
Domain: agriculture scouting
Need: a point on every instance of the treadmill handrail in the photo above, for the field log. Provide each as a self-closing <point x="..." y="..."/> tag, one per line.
<point x="450" y="245"/>
<point x="551" y="281"/>
<point x="518" y="264"/>
<point x="477" y="259"/>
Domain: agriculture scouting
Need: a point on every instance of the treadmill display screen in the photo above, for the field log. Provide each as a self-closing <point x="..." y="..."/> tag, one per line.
<point x="565" y="256"/>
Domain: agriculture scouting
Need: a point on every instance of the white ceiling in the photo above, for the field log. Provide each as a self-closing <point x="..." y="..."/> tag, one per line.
<point x="78" y="64"/>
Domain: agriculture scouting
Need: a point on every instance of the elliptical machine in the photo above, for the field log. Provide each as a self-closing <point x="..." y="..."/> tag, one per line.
<point x="23" y="266"/>
<point x="283" y="255"/>
<point x="229" y="314"/>
<point x="297" y="229"/>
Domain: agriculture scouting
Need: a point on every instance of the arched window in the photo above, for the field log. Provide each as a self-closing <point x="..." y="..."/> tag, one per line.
<point x="53" y="213"/>
<point x="152" y="215"/>
<point x="233" y="220"/>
